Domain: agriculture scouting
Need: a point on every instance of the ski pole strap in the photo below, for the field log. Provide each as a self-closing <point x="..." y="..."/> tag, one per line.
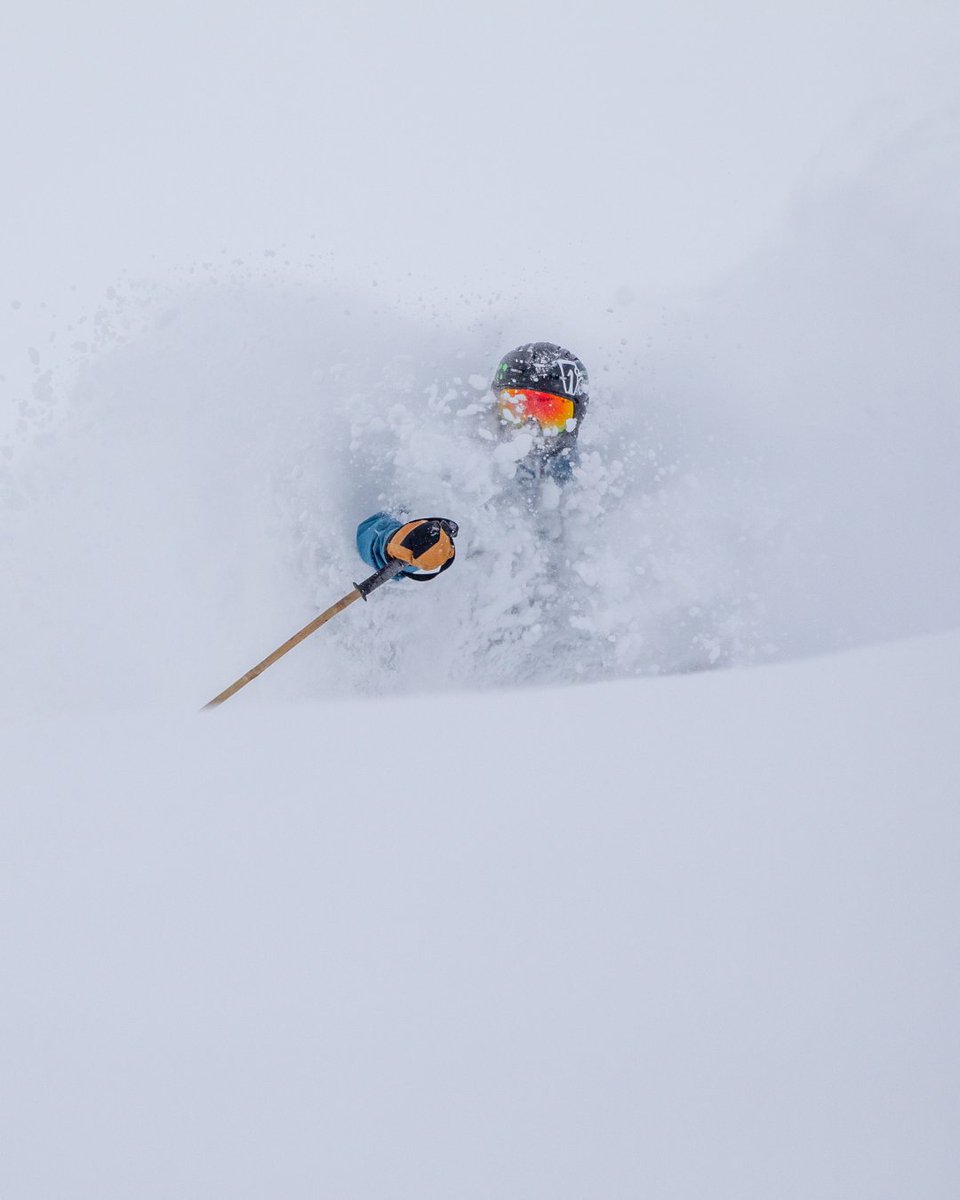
<point x="393" y="567"/>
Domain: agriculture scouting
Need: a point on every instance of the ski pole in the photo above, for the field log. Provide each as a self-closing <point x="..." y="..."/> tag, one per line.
<point x="360" y="592"/>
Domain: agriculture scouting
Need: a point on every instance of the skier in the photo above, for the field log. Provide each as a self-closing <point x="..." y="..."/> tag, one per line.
<point x="539" y="390"/>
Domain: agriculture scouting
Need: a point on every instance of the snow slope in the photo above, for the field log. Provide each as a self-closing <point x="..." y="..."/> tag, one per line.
<point x="693" y="936"/>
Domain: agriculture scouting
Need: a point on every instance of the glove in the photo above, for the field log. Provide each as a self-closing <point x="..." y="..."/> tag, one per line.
<point x="426" y="544"/>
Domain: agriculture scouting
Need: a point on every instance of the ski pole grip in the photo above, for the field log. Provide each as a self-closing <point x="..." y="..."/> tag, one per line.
<point x="393" y="567"/>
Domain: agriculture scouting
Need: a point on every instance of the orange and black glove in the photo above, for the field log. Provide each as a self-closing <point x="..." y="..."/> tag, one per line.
<point x="426" y="544"/>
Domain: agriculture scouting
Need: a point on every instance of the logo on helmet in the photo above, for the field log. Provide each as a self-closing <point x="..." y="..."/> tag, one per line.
<point x="571" y="376"/>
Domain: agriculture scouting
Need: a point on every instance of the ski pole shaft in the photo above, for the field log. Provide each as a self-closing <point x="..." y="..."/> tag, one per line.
<point x="360" y="592"/>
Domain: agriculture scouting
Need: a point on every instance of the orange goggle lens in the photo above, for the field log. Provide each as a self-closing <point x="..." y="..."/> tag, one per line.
<point x="549" y="411"/>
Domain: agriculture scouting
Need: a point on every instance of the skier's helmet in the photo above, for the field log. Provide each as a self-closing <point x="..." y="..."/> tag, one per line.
<point x="542" y="382"/>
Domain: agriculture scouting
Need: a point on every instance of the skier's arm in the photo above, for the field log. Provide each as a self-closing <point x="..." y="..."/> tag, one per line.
<point x="372" y="537"/>
<point x="425" y="544"/>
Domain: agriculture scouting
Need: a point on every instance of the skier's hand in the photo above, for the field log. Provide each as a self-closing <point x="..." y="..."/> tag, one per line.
<point x="426" y="544"/>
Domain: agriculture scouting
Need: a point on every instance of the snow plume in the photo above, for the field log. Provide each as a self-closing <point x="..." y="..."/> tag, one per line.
<point x="769" y="471"/>
<point x="200" y="503"/>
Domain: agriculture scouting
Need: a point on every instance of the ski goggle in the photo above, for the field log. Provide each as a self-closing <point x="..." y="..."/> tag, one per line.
<point x="518" y="406"/>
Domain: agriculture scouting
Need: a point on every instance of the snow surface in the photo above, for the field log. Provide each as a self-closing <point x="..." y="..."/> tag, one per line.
<point x="691" y="936"/>
<point x="499" y="886"/>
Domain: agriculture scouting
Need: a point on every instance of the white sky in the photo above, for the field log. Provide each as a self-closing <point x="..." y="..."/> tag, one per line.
<point x="506" y="145"/>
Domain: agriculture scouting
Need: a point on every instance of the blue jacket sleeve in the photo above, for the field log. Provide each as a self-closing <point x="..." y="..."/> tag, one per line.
<point x="372" y="537"/>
